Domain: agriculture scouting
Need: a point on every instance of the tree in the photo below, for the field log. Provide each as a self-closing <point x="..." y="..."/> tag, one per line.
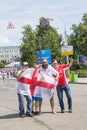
<point x="43" y="38"/>
<point x="2" y="64"/>
<point x="28" y="47"/>
<point x="79" y="39"/>
<point x="48" y="38"/>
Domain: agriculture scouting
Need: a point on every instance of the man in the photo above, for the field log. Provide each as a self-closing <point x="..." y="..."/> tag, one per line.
<point x="24" y="92"/>
<point x="63" y="84"/>
<point x="50" y="71"/>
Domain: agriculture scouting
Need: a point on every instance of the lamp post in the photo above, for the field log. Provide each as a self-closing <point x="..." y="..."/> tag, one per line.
<point x="65" y="35"/>
<point x="65" y="38"/>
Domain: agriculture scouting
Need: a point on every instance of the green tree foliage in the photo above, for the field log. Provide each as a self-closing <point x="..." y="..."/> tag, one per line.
<point x="43" y="38"/>
<point x="28" y="47"/>
<point x="78" y="39"/>
<point x="2" y="64"/>
<point x="48" y="38"/>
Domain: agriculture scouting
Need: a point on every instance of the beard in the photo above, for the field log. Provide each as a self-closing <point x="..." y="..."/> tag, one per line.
<point x="45" y="66"/>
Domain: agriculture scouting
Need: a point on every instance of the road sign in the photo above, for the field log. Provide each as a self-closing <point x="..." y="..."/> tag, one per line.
<point x="44" y="21"/>
<point x="44" y="54"/>
<point x="10" y="26"/>
<point x="66" y="50"/>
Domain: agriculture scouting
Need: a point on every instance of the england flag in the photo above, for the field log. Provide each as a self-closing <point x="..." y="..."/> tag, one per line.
<point x="36" y="84"/>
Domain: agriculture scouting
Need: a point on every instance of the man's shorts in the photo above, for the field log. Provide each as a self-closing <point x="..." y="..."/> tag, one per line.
<point x="36" y="98"/>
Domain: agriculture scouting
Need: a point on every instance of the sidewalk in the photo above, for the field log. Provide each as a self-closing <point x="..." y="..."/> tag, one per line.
<point x="81" y="80"/>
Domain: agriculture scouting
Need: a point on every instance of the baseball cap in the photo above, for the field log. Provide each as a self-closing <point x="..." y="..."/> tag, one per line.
<point x="25" y="63"/>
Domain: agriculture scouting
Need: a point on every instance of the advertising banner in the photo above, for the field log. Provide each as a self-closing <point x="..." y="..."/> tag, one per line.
<point x="82" y="59"/>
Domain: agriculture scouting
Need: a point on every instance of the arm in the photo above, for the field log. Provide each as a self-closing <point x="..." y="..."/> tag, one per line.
<point x="57" y="76"/>
<point x="19" y="74"/>
<point x="70" y="62"/>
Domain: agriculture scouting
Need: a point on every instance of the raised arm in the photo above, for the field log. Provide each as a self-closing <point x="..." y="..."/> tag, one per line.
<point x="70" y="62"/>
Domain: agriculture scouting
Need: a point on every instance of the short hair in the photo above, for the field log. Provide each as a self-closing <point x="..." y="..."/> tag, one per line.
<point x="45" y="59"/>
<point x="54" y="60"/>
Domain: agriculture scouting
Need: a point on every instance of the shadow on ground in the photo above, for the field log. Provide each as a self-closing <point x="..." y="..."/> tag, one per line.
<point x="10" y="116"/>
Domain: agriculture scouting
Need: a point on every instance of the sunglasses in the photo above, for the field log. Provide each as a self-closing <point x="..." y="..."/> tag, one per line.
<point x="44" y="62"/>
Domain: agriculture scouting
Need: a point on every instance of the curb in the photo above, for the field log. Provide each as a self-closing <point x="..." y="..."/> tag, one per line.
<point x="77" y="82"/>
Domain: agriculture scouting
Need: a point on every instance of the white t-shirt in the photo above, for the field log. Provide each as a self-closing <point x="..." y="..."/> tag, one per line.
<point x="50" y="71"/>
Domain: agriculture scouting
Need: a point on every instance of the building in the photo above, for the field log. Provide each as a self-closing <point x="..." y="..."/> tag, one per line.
<point x="10" y="53"/>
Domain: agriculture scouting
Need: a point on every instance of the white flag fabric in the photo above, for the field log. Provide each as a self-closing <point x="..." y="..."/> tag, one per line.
<point x="45" y="86"/>
<point x="24" y="82"/>
<point x="37" y="84"/>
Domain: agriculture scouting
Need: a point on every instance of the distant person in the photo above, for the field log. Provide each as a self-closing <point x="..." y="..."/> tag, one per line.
<point x="63" y="84"/>
<point x="8" y="75"/>
<point x="3" y="76"/>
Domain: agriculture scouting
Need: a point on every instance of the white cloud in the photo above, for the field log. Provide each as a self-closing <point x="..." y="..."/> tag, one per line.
<point x="4" y="40"/>
<point x="22" y="12"/>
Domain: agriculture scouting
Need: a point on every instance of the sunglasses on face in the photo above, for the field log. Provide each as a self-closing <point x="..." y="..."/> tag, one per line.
<point x="44" y="62"/>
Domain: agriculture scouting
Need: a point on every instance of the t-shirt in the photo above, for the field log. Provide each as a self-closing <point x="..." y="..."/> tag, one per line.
<point x="50" y="71"/>
<point x="62" y="80"/>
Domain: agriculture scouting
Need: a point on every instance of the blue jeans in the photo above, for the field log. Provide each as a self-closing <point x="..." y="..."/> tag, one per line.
<point x="67" y="90"/>
<point x="21" y="103"/>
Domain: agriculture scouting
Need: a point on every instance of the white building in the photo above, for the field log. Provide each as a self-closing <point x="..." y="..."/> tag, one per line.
<point x="9" y="53"/>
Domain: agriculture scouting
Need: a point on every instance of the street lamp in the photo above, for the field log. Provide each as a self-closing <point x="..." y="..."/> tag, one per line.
<point x="65" y="37"/>
<point x="65" y="34"/>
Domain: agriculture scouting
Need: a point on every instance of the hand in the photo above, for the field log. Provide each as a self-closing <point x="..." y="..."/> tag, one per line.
<point x="71" y="59"/>
<point x="56" y="78"/>
<point x="23" y="70"/>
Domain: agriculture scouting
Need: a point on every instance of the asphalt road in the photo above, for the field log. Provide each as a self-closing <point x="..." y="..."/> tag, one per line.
<point x="9" y="119"/>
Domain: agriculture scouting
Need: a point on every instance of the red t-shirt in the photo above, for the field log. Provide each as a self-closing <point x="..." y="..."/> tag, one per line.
<point x="62" y="77"/>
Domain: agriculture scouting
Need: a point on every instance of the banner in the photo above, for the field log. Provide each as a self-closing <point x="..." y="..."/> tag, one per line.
<point x="82" y="60"/>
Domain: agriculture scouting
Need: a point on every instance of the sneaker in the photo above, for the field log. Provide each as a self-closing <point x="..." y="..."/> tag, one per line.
<point x="62" y="110"/>
<point x="29" y="114"/>
<point x="22" y="116"/>
<point x="37" y="113"/>
<point x="33" y="112"/>
<point x="70" y="110"/>
<point x="40" y="112"/>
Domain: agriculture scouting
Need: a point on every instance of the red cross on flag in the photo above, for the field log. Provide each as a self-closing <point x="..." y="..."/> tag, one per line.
<point x="35" y="83"/>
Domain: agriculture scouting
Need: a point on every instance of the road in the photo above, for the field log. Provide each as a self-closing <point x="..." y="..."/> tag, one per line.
<point x="9" y="119"/>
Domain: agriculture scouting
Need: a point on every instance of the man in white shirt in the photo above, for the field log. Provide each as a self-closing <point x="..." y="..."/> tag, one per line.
<point x="50" y="71"/>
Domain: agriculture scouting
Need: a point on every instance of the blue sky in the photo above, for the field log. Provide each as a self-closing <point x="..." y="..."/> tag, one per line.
<point x="22" y="12"/>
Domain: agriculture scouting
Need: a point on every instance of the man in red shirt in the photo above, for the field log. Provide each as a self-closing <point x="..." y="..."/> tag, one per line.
<point x="63" y="84"/>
